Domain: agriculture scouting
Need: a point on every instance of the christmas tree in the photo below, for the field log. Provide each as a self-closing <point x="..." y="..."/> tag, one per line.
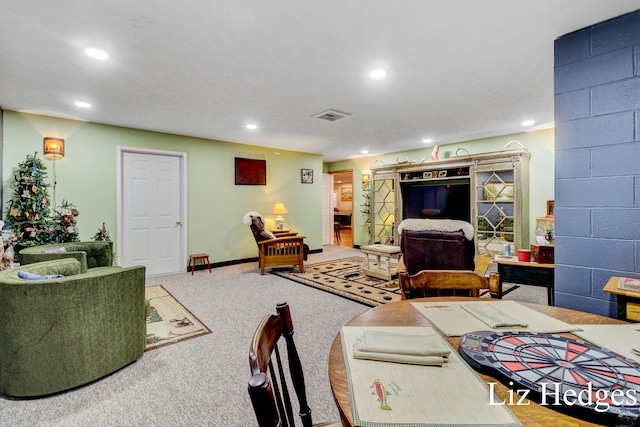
<point x="63" y="224"/>
<point x="28" y="212"/>
<point x="102" y="235"/>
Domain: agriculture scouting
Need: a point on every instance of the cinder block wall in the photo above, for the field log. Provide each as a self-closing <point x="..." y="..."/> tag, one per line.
<point x="597" y="161"/>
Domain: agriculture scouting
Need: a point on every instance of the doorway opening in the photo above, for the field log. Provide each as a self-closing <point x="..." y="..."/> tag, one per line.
<point x="342" y="208"/>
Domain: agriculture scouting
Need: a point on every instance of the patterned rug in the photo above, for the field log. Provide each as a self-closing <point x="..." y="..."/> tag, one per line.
<point x="169" y="321"/>
<point x="344" y="277"/>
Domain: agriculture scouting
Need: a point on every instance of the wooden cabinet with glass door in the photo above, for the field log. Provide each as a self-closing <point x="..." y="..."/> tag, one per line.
<point x="383" y="209"/>
<point x="489" y="190"/>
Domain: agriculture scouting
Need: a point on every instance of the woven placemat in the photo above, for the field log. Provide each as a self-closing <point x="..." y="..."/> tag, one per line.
<point x="454" y="321"/>
<point x="619" y="338"/>
<point x="387" y="394"/>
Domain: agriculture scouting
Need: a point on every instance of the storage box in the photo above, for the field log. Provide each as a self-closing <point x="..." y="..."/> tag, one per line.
<point x="542" y="254"/>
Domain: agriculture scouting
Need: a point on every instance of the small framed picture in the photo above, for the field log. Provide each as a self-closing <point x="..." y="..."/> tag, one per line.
<point x="346" y="194"/>
<point x="550" y="208"/>
<point x="306" y="176"/>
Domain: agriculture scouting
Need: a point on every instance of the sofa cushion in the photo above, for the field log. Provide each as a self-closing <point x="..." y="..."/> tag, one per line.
<point x="64" y="267"/>
<point x="90" y="254"/>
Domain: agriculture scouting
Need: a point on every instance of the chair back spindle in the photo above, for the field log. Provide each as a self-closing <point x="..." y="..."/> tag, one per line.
<point x="270" y="395"/>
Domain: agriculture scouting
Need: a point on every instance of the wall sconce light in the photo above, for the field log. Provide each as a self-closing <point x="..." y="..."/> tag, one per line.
<point x="279" y="209"/>
<point x="365" y="180"/>
<point x="53" y="148"/>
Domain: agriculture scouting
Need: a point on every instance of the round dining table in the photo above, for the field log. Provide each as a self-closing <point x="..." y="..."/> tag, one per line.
<point x="402" y="313"/>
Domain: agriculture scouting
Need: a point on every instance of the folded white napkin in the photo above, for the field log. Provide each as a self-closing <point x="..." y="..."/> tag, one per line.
<point x="401" y="348"/>
<point x="492" y="316"/>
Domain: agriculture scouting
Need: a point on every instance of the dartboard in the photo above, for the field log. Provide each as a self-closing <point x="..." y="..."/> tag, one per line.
<point x="561" y="372"/>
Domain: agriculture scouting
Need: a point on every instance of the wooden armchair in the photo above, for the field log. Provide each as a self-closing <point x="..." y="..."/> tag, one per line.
<point x="438" y="259"/>
<point x="268" y="386"/>
<point x="281" y="249"/>
<point x="427" y="283"/>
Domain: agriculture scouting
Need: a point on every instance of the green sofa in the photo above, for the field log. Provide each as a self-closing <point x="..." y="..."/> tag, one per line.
<point x="90" y="254"/>
<point x="57" y="334"/>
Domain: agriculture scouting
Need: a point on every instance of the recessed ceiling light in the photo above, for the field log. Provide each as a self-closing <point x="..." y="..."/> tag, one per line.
<point x="96" y="53"/>
<point x="378" y="74"/>
<point x="82" y="104"/>
<point x="427" y="140"/>
<point x="528" y="123"/>
<point x="364" y="152"/>
<point x="252" y="126"/>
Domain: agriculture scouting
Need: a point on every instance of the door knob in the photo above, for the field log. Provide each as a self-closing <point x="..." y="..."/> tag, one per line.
<point x="178" y="222"/>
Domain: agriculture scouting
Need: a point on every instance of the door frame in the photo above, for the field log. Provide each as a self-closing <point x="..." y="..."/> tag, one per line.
<point x="182" y="157"/>
<point x="327" y="223"/>
<point x="353" y="189"/>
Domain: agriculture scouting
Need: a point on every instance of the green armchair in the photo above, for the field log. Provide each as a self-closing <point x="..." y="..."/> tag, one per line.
<point x="62" y="333"/>
<point x="90" y="254"/>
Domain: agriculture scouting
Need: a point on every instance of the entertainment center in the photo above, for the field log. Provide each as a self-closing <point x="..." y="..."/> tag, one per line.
<point x="489" y="190"/>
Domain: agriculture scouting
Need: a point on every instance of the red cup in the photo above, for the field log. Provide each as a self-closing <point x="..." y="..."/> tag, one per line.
<point x="524" y="255"/>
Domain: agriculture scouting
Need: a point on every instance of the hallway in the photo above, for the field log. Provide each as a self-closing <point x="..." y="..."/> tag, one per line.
<point x="346" y="237"/>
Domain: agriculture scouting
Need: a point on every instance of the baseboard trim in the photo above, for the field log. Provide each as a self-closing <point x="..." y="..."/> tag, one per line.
<point x="236" y="261"/>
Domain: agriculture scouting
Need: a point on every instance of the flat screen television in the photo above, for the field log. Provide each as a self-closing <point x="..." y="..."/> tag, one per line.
<point x="446" y="199"/>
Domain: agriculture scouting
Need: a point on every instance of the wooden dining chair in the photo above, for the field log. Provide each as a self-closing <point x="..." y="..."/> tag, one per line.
<point x="430" y="283"/>
<point x="269" y="383"/>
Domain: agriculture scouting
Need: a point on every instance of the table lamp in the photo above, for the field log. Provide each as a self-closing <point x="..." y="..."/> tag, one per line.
<point x="279" y="209"/>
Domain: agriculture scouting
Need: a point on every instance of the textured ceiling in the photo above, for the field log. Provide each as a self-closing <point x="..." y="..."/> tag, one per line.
<point x="457" y="70"/>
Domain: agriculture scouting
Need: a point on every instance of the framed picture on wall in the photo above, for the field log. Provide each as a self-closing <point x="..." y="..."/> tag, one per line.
<point x="306" y="176"/>
<point x="346" y="194"/>
<point x="250" y="171"/>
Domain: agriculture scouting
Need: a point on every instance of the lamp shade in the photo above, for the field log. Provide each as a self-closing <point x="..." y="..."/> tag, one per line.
<point x="279" y="209"/>
<point x="53" y="148"/>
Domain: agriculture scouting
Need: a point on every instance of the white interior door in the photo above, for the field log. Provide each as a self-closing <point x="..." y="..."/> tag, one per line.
<point x="327" y="210"/>
<point x="151" y="230"/>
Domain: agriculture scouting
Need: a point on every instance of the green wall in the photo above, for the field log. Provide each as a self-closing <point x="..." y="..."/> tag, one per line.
<point x="539" y="143"/>
<point x="215" y="205"/>
<point x="87" y="178"/>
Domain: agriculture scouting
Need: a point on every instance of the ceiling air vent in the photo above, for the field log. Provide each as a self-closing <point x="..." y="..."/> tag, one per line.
<point x="331" y="115"/>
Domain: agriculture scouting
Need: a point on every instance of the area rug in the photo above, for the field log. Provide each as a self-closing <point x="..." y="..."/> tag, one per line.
<point x="344" y="277"/>
<point x="169" y="322"/>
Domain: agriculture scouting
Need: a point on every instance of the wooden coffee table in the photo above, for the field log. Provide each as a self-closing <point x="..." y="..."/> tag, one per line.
<point x="383" y="253"/>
